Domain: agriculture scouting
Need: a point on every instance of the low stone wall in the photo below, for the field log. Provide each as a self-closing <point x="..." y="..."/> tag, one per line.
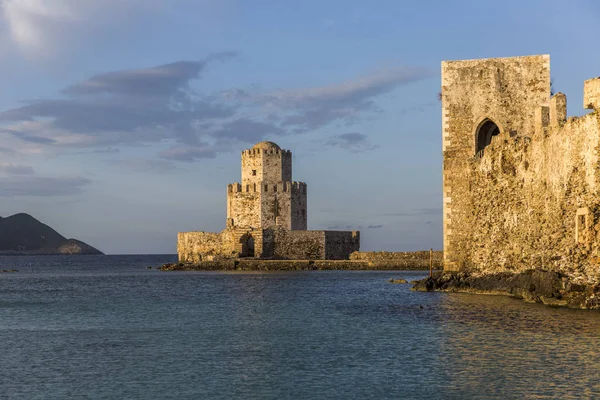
<point x="275" y="265"/>
<point x="399" y="259"/>
<point x="192" y="246"/>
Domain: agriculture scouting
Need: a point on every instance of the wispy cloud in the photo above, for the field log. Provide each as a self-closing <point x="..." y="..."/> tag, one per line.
<point x="416" y="212"/>
<point x="162" y="105"/>
<point x="311" y="108"/>
<point x="144" y="165"/>
<point x="16" y="169"/>
<point x="188" y="153"/>
<point x="41" y="186"/>
<point x="353" y="141"/>
<point x="124" y="107"/>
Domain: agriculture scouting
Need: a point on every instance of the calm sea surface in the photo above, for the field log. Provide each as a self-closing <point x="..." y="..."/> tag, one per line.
<point x="107" y="327"/>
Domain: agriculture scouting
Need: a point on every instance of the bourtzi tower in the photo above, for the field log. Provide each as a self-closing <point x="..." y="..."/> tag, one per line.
<point x="267" y="197"/>
<point x="267" y="217"/>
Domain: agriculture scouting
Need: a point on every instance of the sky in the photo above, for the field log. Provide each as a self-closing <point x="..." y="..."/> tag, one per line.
<point x="122" y="121"/>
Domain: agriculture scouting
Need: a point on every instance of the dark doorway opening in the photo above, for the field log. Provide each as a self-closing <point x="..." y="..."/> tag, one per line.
<point x="247" y="246"/>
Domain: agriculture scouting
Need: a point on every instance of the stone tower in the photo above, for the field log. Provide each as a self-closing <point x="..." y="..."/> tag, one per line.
<point x="267" y="197"/>
<point x="483" y="102"/>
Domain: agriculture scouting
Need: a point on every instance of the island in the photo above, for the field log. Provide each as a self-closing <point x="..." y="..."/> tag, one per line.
<point x="22" y="234"/>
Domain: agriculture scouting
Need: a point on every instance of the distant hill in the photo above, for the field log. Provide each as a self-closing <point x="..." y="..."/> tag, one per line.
<point x="23" y="234"/>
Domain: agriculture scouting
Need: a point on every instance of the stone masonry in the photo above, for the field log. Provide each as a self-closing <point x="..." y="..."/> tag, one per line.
<point x="521" y="181"/>
<point x="266" y="217"/>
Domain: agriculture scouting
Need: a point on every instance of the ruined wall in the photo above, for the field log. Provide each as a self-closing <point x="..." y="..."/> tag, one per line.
<point x="193" y="247"/>
<point x="340" y="244"/>
<point x="204" y="246"/>
<point x="515" y="206"/>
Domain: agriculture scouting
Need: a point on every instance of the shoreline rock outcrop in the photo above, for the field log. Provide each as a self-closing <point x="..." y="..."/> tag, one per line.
<point x="535" y="286"/>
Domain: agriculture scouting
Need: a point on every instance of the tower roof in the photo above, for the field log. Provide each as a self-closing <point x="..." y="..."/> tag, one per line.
<point x="266" y="146"/>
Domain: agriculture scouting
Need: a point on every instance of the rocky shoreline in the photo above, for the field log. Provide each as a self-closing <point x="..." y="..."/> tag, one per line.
<point x="536" y="286"/>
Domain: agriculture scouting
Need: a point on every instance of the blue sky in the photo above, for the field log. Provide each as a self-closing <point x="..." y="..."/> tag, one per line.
<point x="122" y="121"/>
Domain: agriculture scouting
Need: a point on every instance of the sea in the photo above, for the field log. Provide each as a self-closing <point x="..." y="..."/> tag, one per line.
<point x="109" y="327"/>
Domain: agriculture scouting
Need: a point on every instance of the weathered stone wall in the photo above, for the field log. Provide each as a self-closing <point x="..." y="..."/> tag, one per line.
<point x="400" y="259"/>
<point x="194" y="247"/>
<point x="340" y="244"/>
<point x="244" y="204"/>
<point x="506" y="91"/>
<point x="266" y="165"/>
<point x="230" y="243"/>
<point x="299" y="211"/>
<point x="514" y="206"/>
<point x="298" y="245"/>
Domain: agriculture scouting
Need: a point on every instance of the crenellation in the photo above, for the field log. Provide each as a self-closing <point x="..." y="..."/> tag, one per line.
<point x="558" y="110"/>
<point x="591" y="94"/>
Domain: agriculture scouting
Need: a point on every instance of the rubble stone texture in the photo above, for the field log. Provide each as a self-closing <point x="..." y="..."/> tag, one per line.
<point x="520" y="180"/>
<point x="267" y="217"/>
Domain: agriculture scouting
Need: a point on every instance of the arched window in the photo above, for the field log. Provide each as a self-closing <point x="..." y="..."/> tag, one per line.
<point x="483" y="137"/>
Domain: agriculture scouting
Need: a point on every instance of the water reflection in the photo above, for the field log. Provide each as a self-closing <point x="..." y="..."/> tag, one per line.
<point x="496" y="345"/>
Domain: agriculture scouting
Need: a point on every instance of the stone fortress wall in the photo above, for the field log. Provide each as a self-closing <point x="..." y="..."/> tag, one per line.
<point x="520" y="180"/>
<point x="267" y="217"/>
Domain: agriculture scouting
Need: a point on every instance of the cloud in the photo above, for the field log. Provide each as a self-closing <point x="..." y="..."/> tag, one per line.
<point x="16" y="169"/>
<point x="312" y="108"/>
<point x="375" y="226"/>
<point x="162" y="80"/>
<point x="42" y="28"/>
<point x="416" y="212"/>
<point x="247" y="130"/>
<point x="124" y="107"/>
<point x="188" y="153"/>
<point x="160" y="105"/>
<point x="146" y="165"/>
<point x="354" y="142"/>
<point x="41" y="186"/>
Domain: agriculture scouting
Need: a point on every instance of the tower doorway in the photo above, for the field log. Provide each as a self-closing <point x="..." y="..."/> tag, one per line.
<point x="247" y="242"/>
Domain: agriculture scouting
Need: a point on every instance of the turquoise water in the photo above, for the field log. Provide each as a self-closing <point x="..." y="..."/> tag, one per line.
<point x="107" y="327"/>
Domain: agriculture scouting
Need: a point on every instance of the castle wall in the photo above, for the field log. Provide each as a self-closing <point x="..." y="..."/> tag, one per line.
<point x="299" y="245"/>
<point x="340" y="244"/>
<point x="505" y="90"/>
<point x="531" y="199"/>
<point x="193" y="247"/>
